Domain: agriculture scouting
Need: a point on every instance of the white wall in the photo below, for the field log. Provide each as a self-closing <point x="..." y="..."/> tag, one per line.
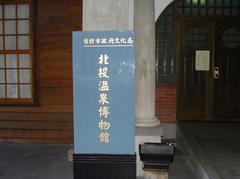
<point x="160" y="5"/>
<point x="95" y="18"/>
<point x="108" y="14"/>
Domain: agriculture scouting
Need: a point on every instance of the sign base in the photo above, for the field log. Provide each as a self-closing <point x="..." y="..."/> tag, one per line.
<point x="101" y="166"/>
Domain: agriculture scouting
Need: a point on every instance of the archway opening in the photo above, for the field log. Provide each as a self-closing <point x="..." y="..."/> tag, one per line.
<point x="198" y="53"/>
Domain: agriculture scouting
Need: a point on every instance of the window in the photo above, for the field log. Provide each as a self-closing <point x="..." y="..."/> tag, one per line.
<point x="208" y="7"/>
<point x="231" y="38"/>
<point x="165" y="67"/>
<point x="16" y="79"/>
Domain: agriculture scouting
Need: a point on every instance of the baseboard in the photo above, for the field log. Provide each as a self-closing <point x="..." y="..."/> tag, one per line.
<point x="101" y="166"/>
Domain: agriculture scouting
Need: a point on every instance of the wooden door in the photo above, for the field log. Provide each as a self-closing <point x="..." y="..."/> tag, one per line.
<point x="194" y="85"/>
<point x="227" y="61"/>
<point x="212" y="93"/>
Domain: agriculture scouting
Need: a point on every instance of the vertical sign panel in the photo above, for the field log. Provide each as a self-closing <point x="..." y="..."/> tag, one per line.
<point x="104" y="92"/>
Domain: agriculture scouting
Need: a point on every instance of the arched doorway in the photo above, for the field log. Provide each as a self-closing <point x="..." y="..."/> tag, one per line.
<point x="198" y="50"/>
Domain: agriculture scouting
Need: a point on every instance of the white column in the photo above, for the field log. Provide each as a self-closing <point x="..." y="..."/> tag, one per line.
<point x="108" y="15"/>
<point x="144" y="26"/>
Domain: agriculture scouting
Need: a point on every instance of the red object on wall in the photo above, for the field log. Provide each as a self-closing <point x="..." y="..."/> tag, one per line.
<point x="166" y="104"/>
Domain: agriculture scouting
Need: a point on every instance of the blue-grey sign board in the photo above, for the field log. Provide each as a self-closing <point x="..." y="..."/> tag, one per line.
<point x="104" y="92"/>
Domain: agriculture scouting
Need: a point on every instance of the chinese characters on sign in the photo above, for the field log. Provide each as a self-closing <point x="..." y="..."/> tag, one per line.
<point x="104" y="109"/>
<point x="108" y="41"/>
<point x="104" y="92"/>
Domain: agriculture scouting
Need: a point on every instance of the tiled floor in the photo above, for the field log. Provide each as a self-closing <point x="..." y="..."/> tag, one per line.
<point x="18" y="161"/>
<point x="34" y="162"/>
<point x="216" y="146"/>
<point x="181" y="168"/>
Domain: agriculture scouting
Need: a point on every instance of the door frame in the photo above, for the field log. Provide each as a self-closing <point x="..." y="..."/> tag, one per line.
<point x="225" y="22"/>
<point x="178" y="33"/>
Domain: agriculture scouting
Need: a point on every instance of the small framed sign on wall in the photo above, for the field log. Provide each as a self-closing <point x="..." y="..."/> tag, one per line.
<point x="202" y="60"/>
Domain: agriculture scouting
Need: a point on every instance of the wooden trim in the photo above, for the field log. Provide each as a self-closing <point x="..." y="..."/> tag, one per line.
<point x="36" y="108"/>
<point x="15" y="1"/>
<point x="35" y="93"/>
<point x="178" y="38"/>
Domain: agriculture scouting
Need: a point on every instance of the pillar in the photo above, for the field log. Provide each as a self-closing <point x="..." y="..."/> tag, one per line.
<point x="108" y="15"/>
<point x="144" y="26"/>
